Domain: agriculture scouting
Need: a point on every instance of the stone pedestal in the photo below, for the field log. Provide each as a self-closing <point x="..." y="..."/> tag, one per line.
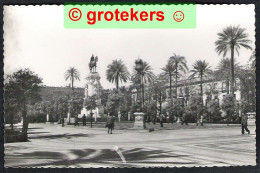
<point x="129" y="116"/>
<point x="68" y="116"/>
<point x="139" y="124"/>
<point x="119" y="116"/>
<point x="178" y="120"/>
<point x="47" y="118"/>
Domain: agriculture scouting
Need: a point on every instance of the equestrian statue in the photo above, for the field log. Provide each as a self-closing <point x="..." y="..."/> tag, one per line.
<point x="93" y="64"/>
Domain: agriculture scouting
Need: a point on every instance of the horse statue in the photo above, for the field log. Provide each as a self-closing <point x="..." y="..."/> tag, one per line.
<point x="93" y="63"/>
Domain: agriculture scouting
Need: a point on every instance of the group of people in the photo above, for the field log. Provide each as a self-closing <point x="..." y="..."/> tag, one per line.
<point x="84" y="120"/>
<point x="109" y="124"/>
<point x="184" y="120"/>
<point x="200" y="118"/>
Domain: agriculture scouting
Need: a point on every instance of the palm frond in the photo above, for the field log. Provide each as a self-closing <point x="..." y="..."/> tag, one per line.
<point x="117" y="71"/>
<point x="232" y="36"/>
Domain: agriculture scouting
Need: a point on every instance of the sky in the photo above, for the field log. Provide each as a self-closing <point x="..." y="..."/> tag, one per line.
<point x="35" y="38"/>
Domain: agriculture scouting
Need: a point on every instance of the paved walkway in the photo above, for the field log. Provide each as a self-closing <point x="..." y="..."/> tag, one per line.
<point x="55" y="146"/>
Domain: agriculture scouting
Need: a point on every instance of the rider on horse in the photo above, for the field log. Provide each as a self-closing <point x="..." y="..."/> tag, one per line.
<point x="93" y="63"/>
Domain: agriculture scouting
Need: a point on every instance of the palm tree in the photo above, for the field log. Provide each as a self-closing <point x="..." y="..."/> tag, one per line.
<point x="117" y="71"/>
<point x="252" y="59"/>
<point x="223" y="70"/>
<point x="72" y="74"/>
<point x="146" y="76"/>
<point x="168" y="72"/>
<point x="200" y="68"/>
<point x="180" y="65"/>
<point x="232" y="38"/>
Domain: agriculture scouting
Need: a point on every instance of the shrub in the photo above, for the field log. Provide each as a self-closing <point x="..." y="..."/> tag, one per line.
<point x="213" y="109"/>
<point x="230" y="107"/>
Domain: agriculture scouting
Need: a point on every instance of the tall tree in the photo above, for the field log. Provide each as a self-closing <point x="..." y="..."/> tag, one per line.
<point x="223" y="71"/>
<point x="200" y="69"/>
<point x="252" y="60"/>
<point x="117" y="71"/>
<point x="115" y="99"/>
<point x="168" y="72"/>
<point x="159" y="93"/>
<point x="91" y="104"/>
<point x="232" y="38"/>
<point x="72" y="74"/>
<point x="23" y="89"/>
<point x="180" y="65"/>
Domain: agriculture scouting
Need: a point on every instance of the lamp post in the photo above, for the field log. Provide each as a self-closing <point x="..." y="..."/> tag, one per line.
<point x="139" y="115"/>
<point x="139" y="68"/>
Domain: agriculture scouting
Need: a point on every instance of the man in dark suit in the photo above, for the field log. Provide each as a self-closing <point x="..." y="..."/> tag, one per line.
<point x="110" y="123"/>
<point x="244" y="119"/>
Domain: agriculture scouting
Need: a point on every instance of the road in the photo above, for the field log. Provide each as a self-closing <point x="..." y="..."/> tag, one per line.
<point x="55" y="146"/>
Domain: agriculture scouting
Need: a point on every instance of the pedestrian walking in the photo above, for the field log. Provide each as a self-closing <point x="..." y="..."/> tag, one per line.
<point x="244" y="123"/>
<point x="144" y="120"/>
<point x="76" y="123"/>
<point x="168" y="119"/>
<point x="110" y="124"/>
<point x="84" y="120"/>
<point x="197" y="120"/>
<point x="62" y="121"/>
<point x="200" y="120"/>
<point x="184" y="119"/>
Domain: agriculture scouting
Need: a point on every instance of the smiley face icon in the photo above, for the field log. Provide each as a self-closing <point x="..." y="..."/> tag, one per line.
<point x="178" y="16"/>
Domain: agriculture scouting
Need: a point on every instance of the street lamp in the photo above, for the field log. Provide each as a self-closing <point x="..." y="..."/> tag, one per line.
<point x="139" y="115"/>
<point x="139" y="68"/>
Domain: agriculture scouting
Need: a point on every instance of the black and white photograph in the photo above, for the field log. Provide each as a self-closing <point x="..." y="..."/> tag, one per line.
<point x="115" y="98"/>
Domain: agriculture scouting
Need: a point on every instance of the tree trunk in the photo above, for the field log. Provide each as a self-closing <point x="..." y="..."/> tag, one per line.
<point x="160" y="102"/>
<point x="232" y="70"/>
<point x="176" y="82"/>
<point x="91" y="115"/>
<point x="117" y="81"/>
<point x="232" y="75"/>
<point x="227" y="86"/>
<point x="141" y="94"/>
<point x="12" y="121"/>
<point x="25" y="121"/>
<point x="72" y="83"/>
<point x="171" y="94"/>
<point x="201" y="87"/>
<point x="170" y="86"/>
<point x="142" y="81"/>
<point x="155" y="115"/>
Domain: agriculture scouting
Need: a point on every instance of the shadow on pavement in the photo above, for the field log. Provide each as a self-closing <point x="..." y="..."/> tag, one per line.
<point x="102" y="157"/>
<point x="67" y="136"/>
<point x="36" y="132"/>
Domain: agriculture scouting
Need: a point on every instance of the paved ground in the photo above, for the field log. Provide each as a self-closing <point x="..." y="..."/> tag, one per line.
<point x="55" y="146"/>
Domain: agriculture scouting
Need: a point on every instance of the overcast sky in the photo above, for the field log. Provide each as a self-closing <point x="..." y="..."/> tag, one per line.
<point x="34" y="37"/>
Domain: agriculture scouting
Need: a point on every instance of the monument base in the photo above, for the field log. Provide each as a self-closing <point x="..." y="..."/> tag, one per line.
<point x="97" y="113"/>
<point x="138" y="124"/>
